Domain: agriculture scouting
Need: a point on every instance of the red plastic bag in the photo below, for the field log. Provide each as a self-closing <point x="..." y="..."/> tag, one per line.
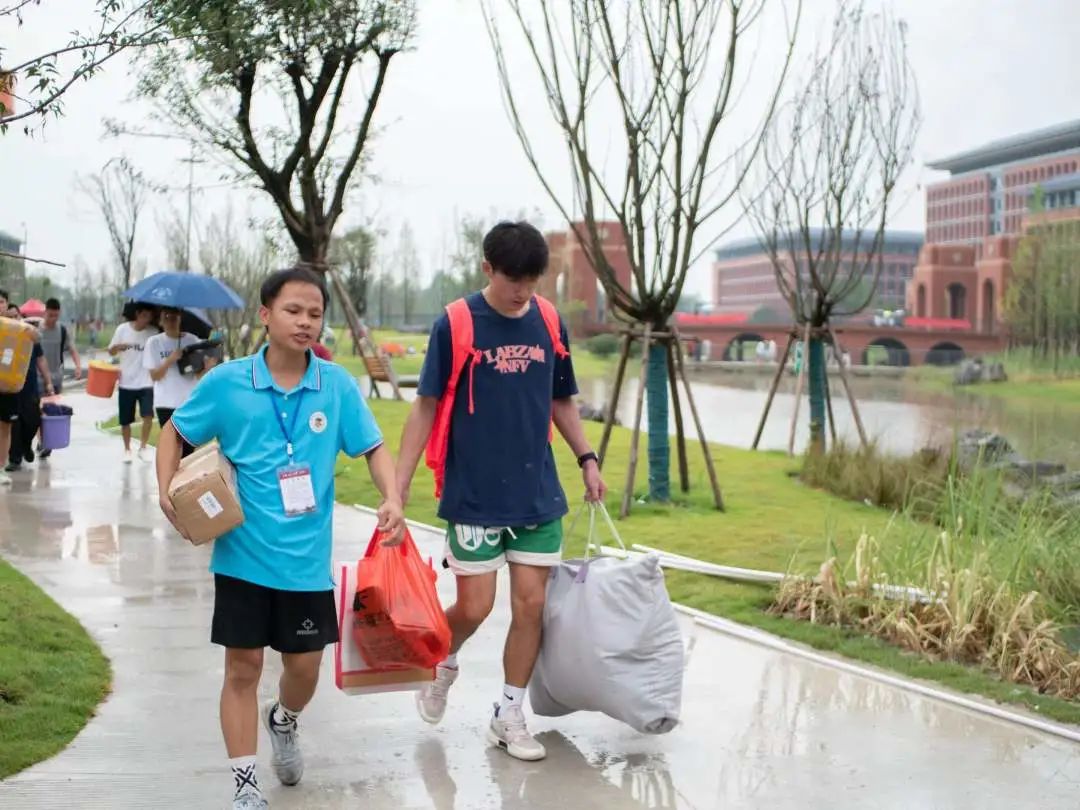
<point x="397" y="618"/>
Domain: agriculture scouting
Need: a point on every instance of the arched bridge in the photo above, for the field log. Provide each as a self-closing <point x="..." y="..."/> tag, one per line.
<point x="910" y="345"/>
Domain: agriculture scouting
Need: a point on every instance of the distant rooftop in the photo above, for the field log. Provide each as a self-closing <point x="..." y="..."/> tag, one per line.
<point x="9" y="243"/>
<point x="1057" y="138"/>
<point x="894" y="242"/>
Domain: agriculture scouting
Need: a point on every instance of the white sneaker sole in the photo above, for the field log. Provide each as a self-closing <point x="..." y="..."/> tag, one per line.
<point x="517" y="753"/>
<point x="431" y="720"/>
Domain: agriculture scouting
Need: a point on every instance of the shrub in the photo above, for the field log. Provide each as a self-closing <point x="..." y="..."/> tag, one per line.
<point x="957" y="606"/>
<point x="864" y="474"/>
<point x="603" y="345"/>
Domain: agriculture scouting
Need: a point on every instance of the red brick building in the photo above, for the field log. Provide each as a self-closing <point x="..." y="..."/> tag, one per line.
<point x="744" y="280"/>
<point x="571" y="282"/>
<point x="976" y="218"/>
<point x="990" y="188"/>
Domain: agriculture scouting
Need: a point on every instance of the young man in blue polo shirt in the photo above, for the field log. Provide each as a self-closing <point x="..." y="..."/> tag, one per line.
<point x="501" y="498"/>
<point x="281" y="417"/>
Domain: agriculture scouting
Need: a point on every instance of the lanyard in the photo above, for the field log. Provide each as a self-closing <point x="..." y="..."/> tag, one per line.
<point x="287" y="433"/>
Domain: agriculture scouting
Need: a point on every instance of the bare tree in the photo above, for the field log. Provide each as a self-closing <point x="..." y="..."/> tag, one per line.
<point x="243" y="263"/>
<point x="35" y="87"/>
<point x="468" y="257"/>
<point x="118" y="192"/>
<point x="830" y="167"/>
<point x="309" y="60"/>
<point x="173" y="231"/>
<point x="354" y="253"/>
<point x="407" y="263"/>
<point x="641" y="92"/>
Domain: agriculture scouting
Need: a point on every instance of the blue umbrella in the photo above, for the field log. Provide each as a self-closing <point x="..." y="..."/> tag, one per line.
<point x="184" y="290"/>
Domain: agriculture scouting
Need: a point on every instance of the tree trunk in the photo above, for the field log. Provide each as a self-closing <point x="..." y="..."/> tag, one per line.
<point x="816" y="371"/>
<point x="656" y="386"/>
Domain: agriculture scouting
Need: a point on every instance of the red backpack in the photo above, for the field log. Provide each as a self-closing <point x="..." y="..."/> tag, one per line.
<point x="463" y="351"/>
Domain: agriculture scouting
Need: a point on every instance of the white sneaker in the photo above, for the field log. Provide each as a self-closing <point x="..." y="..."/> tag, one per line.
<point x="431" y="700"/>
<point x="128" y="457"/>
<point x="5" y="480"/>
<point x="287" y="761"/>
<point x="509" y="732"/>
<point x="146" y="454"/>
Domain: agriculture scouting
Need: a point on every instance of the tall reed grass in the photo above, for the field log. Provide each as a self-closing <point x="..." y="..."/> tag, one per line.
<point x="999" y="576"/>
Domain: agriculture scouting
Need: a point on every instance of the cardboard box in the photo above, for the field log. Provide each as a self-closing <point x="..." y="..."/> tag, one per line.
<point x="203" y="493"/>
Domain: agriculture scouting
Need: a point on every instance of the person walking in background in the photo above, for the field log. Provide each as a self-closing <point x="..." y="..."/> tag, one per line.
<point x="136" y="387"/>
<point x="55" y="341"/>
<point x="9" y="407"/>
<point x="27" y="417"/>
<point x="161" y="358"/>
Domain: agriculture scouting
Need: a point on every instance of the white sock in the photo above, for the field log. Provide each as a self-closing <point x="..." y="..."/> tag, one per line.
<point x="243" y="771"/>
<point x="282" y="718"/>
<point x="450" y="662"/>
<point x="511" y="696"/>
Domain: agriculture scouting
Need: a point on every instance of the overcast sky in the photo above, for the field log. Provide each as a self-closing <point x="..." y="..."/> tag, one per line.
<point x="986" y="69"/>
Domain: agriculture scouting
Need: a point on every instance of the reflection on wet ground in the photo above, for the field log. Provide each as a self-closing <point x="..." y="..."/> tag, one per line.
<point x="760" y="728"/>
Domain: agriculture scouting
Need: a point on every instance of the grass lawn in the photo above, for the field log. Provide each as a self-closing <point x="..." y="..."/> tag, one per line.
<point x="52" y="674"/>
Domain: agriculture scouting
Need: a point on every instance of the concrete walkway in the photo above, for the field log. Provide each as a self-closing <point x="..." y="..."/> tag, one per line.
<point x="761" y="728"/>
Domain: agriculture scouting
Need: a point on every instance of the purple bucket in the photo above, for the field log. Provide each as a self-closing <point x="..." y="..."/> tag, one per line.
<point x="55" y="431"/>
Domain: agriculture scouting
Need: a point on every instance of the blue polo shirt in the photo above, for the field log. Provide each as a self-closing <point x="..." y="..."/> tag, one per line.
<point x="235" y="403"/>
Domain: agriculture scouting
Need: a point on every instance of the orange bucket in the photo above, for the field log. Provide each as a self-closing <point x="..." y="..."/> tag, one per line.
<point x="101" y="379"/>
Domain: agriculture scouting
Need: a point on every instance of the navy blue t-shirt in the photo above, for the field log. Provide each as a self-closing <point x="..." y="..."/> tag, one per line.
<point x="30" y="385"/>
<point x="500" y="470"/>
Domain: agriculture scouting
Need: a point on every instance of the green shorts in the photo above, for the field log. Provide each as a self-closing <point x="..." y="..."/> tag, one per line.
<point x="472" y="550"/>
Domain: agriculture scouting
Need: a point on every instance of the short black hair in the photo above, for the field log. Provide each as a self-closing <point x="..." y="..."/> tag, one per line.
<point x="53" y="303"/>
<point x="4" y="295"/>
<point x="517" y="250"/>
<point x="141" y="307"/>
<point x="271" y="288"/>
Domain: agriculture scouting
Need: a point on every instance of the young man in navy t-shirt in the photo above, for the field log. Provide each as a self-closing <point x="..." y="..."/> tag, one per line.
<point x="502" y="499"/>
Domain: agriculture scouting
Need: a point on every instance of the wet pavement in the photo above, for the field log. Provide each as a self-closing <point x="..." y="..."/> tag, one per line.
<point x="761" y="728"/>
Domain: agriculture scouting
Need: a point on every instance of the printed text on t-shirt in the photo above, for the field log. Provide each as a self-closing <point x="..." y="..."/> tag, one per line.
<point x="513" y="359"/>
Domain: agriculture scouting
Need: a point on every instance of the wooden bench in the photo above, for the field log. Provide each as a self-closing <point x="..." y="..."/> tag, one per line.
<point x="380" y="370"/>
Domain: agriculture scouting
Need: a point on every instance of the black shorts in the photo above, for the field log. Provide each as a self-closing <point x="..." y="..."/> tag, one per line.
<point x="128" y="398"/>
<point x="9" y="407"/>
<point x="249" y="616"/>
<point x="163" y="417"/>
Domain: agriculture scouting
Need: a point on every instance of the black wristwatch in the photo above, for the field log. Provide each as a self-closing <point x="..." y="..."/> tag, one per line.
<point x="590" y="456"/>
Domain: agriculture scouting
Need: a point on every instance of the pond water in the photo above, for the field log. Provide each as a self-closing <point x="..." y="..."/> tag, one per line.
<point x="901" y="416"/>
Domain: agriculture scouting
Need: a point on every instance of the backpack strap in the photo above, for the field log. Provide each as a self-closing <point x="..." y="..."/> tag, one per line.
<point x="462" y="349"/>
<point x="553" y="324"/>
<point x="63" y="342"/>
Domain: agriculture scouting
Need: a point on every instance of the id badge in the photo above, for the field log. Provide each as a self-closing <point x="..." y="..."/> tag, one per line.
<point x="297" y="493"/>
